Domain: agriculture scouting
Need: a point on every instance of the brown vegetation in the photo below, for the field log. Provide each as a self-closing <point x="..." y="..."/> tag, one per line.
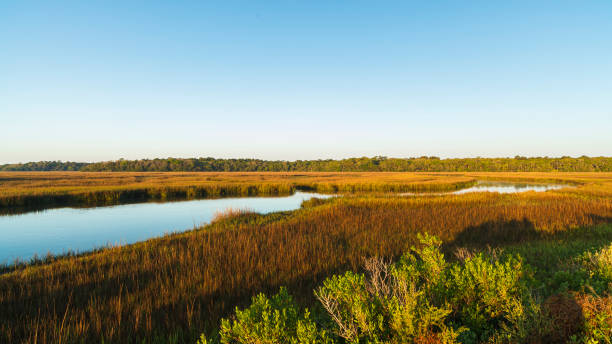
<point x="178" y="285"/>
<point x="48" y="189"/>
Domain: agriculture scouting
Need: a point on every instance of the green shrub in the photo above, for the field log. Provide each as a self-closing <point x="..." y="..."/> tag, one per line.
<point x="423" y="296"/>
<point x="487" y="295"/>
<point x="589" y="272"/>
<point x="599" y="264"/>
<point x="271" y="321"/>
<point x="394" y="304"/>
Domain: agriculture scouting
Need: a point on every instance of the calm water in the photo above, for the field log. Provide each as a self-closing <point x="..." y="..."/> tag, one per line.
<point x="505" y="187"/>
<point x="82" y="229"/>
<point x="500" y="187"/>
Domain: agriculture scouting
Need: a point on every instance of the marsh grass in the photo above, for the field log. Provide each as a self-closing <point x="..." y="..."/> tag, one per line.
<point x="231" y="214"/>
<point x="22" y="191"/>
<point x="174" y="287"/>
<point x="27" y="191"/>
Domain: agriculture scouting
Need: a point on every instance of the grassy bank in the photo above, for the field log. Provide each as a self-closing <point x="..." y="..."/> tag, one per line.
<point x="176" y="287"/>
<point x="23" y="191"/>
<point x="20" y="191"/>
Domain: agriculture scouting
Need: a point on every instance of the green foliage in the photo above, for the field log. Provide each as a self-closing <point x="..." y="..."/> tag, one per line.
<point x="599" y="264"/>
<point x="424" y="163"/>
<point x="351" y="307"/>
<point x="598" y="329"/>
<point x="487" y="294"/>
<point x="45" y="166"/>
<point x="589" y="272"/>
<point x="395" y="304"/>
<point x="271" y="321"/>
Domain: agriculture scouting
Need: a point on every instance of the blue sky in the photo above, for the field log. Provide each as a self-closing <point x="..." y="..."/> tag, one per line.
<point x="103" y="80"/>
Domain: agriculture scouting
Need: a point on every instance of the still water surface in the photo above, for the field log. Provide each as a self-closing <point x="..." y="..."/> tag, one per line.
<point x="507" y="187"/>
<point x="82" y="229"/>
<point x="499" y="187"/>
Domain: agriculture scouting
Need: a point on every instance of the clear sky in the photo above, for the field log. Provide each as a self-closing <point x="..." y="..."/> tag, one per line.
<point x="103" y="80"/>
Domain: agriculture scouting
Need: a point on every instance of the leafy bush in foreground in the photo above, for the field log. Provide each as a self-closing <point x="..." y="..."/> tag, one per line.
<point x="394" y="304"/>
<point x="274" y="320"/>
<point x="420" y="299"/>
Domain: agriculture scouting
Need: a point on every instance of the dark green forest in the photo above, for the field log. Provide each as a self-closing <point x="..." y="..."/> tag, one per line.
<point x="45" y="166"/>
<point x="383" y="164"/>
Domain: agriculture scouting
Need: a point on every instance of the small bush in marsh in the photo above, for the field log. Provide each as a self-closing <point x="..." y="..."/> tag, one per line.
<point x="599" y="263"/>
<point x="272" y="320"/>
<point x="395" y="303"/>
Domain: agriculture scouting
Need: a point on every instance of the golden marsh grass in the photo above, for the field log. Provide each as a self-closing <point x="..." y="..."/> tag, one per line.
<point x="174" y="287"/>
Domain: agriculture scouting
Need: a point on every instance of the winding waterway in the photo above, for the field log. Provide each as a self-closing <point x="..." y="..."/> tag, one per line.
<point x="60" y="230"/>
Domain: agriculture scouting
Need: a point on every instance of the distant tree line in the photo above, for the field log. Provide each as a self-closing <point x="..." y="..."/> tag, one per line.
<point x="45" y="166"/>
<point x="421" y="164"/>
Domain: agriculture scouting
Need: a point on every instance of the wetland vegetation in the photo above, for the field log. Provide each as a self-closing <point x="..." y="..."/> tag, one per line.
<point x="412" y="249"/>
<point x="546" y="251"/>
<point x="20" y="191"/>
